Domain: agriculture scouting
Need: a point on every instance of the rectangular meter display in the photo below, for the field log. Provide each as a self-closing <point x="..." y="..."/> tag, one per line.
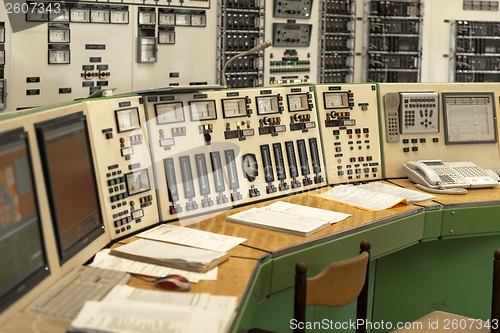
<point x="267" y="105"/>
<point x="138" y="182"/>
<point x="297" y="102"/>
<point x="336" y="100"/>
<point x="202" y="110"/>
<point x="80" y="15"/>
<point x="169" y="113"/>
<point x="234" y="107"/>
<point x="118" y="16"/>
<point x="127" y="119"/>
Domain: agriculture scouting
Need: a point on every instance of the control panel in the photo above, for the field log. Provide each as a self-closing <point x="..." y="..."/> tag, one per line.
<point x="393" y="53"/>
<point x="240" y="28"/>
<point x="292" y="26"/>
<point x="123" y="164"/>
<point x="442" y="121"/>
<point x="213" y="150"/>
<point x="348" y="116"/>
<point x="475" y="49"/>
<point x="336" y="62"/>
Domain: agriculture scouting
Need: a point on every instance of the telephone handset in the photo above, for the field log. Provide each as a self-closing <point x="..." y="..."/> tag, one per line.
<point x="391" y="109"/>
<point x="453" y="177"/>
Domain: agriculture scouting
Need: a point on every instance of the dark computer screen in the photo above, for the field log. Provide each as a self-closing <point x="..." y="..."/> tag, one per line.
<point x="23" y="263"/>
<point x="70" y="182"/>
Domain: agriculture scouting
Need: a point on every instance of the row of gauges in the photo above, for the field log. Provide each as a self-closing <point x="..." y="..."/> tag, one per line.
<point x="195" y="18"/>
<point x="173" y="112"/>
<point x="78" y="14"/>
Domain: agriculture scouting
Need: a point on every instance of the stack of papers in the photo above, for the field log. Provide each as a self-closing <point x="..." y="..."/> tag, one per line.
<point x="191" y="237"/>
<point x="287" y="217"/>
<point x="170" y="255"/>
<point x="104" y="260"/>
<point x="374" y="196"/>
<point x="127" y="309"/>
<point x="179" y="247"/>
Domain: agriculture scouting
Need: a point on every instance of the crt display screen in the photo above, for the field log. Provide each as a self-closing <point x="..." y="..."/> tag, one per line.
<point x="69" y="177"/>
<point x="22" y="261"/>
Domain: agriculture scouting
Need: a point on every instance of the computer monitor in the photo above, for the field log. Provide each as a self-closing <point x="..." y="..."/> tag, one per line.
<point x="23" y="261"/>
<point x="70" y="181"/>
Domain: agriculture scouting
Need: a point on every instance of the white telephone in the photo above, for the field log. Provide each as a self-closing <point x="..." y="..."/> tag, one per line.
<point x="451" y="177"/>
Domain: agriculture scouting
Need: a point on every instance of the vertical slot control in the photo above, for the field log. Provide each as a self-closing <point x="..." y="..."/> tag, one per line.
<point x="267" y="163"/>
<point x="231" y="170"/>
<point x="201" y="168"/>
<point x="217" y="170"/>
<point x="187" y="177"/>
<point x="303" y="159"/>
<point x="173" y="193"/>
<point x="280" y="162"/>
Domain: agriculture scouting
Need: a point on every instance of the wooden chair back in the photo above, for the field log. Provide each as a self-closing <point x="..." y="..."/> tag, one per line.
<point x="337" y="285"/>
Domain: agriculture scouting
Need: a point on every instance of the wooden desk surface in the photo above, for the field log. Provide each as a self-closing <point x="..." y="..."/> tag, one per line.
<point x="270" y="241"/>
<point x="232" y="279"/>
<point x="474" y="195"/>
<point x="234" y="275"/>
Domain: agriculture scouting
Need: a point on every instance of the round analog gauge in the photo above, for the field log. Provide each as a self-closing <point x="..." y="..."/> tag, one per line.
<point x="250" y="167"/>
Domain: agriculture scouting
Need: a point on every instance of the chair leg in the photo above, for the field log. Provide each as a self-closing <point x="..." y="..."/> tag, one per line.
<point x="362" y="303"/>
<point x="299" y="308"/>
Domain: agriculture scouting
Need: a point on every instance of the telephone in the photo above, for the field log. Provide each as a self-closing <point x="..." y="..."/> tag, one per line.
<point x="411" y="113"/>
<point x="451" y="177"/>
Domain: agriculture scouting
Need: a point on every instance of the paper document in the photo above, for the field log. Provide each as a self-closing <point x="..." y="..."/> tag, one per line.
<point x="170" y="255"/>
<point x="127" y="294"/>
<point x="104" y="260"/>
<point x="142" y="317"/>
<point x="192" y="237"/>
<point x="166" y="312"/>
<point x="411" y="196"/>
<point x="307" y="212"/>
<point x="359" y="197"/>
<point x="286" y="217"/>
